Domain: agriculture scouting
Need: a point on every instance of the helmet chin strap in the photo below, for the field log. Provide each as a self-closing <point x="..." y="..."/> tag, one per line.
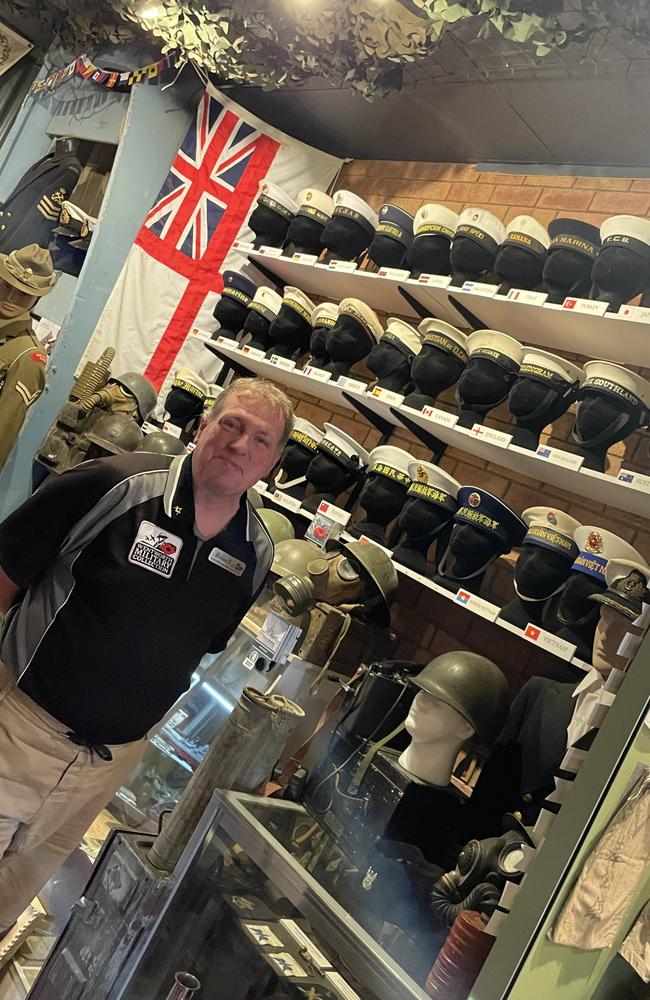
<point x="522" y="597"/>
<point x="289" y="483"/>
<point x="442" y="565"/>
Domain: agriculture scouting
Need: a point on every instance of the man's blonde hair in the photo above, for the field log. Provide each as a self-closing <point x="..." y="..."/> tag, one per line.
<point x="265" y="392"/>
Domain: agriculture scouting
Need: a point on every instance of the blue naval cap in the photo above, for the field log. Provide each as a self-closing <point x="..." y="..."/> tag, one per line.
<point x="486" y="512"/>
<point x="239" y="287"/>
<point x="395" y="223"/>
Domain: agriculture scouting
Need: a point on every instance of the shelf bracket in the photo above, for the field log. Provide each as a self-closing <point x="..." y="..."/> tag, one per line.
<point x="268" y="273"/>
<point x="429" y="440"/>
<point x="467" y="314"/>
<point x="417" y="306"/>
<point x="385" y="427"/>
<point x="228" y="366"/>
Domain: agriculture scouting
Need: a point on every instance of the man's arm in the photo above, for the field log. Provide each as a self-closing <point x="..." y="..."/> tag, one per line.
<point x="9" y="591"/>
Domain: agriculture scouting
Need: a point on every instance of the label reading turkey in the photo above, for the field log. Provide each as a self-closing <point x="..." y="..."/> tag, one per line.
<point x="386" y="396"/>
<point x="589" y="306"/>
<point x="435" y="280"/>
<point x="227" y="342"/>
<point x="477" y="605"/>
<point x="286" y="363"/>
<point x="397" y="273"/>
<point x="640" y="314"/>
<point x="342" y="265"/>
<point x="440" y="416"/>
<point x="530" y="298"/>
<point x="560" y="647"/>
<point x="319" y="374"/>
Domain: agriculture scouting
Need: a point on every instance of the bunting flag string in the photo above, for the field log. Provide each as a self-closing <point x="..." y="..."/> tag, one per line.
<point x="108" y="79"/>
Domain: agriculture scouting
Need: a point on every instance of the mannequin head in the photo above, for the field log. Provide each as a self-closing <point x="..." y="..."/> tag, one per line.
<point x="433" y="227"/>
<point x="574" y="248"/>
<point x="437" y="733"/>
<point x="392" y="238"/>
<point x="613" y="402"/>
<point x="543" y="390"/>
<point x="476" y="242"/>
<point x="520" y="259"/>
<point x="622" y="268"/>
<point x="25" y="276"/>
<point x="493" y="366"/>
<point x="438" y="364"/>
<point x="352" y="226"/>
<point x="233" y="305"/>
<point x="323" y="319"/>
<point x="391" y="359"/>
<point x="272" y="215"/>
<point x="291" y="329"/>
<point x="356" y="330"/>
<point x="611" y="628"/>
<point x="384" y="491"/>
<point x="306" y="229"/>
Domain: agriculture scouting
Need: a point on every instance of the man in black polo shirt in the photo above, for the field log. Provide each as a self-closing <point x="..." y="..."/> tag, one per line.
<point x="116" y="577"/>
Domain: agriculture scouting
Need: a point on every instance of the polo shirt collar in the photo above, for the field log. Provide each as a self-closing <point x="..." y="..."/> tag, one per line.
<point x="178" y="500"/>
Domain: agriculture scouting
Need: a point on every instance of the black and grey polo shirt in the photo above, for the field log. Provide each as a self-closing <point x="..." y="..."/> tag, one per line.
<point x="122" y="597"/>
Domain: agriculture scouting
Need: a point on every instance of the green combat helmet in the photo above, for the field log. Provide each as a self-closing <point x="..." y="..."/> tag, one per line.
<point x="115" y="433"/>
<point x="278" y="526"/>
<point x="471" y="684"/>
<point x="161" y="443"/>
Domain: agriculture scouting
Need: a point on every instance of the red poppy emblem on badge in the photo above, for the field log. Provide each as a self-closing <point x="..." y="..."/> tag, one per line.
<point x="167" y="548"/>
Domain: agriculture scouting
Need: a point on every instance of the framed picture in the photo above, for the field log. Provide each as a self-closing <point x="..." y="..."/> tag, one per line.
<point x="12" y="47"/>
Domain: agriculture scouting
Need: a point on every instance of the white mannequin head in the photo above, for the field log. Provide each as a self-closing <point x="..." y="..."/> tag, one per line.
<point x="611" y="629"/>
<point x="437" y="733"/>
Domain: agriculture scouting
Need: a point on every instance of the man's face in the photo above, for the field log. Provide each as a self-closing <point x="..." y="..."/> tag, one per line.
<point x="238" y="446"/>
<point x="13" y="302"/>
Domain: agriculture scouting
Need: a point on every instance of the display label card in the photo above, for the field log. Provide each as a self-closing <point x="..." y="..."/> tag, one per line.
<point x="335" y="513"/>
<point x="148" y="428"/>
<point x="286" y="363"/>
<point x="479" y="288"/>
<point x="263" y="934"/>
<point x="322" y="529"/>
<point x="307" y="945"/>
<point x="588" y="306"/>
<point x="440" y="416"/>
<point x="288" y="966"/>
<point x="271" y="251"/>
<point x="261" y="486"/>
<point x="190" y="446"/>
<point x="227" y="342"/>
<point x="345" y="382"/>
<point x="291" y="503"/>
<point x="242" y="246"/>
<point x="253" y="352"/>
<point x="640" y="314"/>
<point x="371" y="541"/>
<point x="530" y="298"/>
<point x="559" y="457"/>
<point x="398" y="273"/>
<point x="491" y="435"/>
<point x="174" y="429"/>
<point x="435" y="280"/>
<point x="386" y="396"/>
<point x="560" y="647"/>
<point x="342" y="265"/>
<point x="477" y="605"/>
<point x="634" y="479"/>
<point x="201" y="334"/>
<point x="340" y="985"/>
<point x="317" y="373"/>
<point x="305" y="258"/>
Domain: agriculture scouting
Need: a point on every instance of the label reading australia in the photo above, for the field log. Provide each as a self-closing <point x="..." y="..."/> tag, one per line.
<point x="155" y="549"/>
<point x="227" y="562"/>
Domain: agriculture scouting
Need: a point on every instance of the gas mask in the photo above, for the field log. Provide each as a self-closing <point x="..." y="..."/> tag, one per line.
<point x="112" y="398"/>
<point x="332" y="579"/>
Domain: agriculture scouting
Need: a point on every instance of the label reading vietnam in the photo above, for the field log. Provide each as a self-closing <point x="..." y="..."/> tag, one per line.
<point x="155" y="549"/>
<point x="477" y="605"/>
<point x="565" y="650"/>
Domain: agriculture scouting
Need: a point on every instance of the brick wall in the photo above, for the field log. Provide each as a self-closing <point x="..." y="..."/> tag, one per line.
<point x="427" y="624"/>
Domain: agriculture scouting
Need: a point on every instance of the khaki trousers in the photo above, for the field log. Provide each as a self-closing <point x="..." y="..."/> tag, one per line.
<point x="50" y="793"/>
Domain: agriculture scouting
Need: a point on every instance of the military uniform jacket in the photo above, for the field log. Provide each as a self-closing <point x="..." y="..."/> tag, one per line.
<point x="32" y="210"/>
<point x="22" y="378"/>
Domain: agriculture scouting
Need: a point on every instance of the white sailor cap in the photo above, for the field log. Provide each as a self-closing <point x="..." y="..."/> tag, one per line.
<point x="267" y="302"/>
<point x="435" y="220"/>
<point x="445" y="337"/>
<point x="315" y="204"/>
<point x="364" y="315"/>
<point x="351" y="206"/>
<point x="295" y="299"/>
<point x="496" y="346"/>
<point x="190" y="381"/>
<point x="481" y="226"/>
<point x="306" y="434"/>
<point x="597" y="546"/>
<point x="627" y="587"/>
<point x="617" y="381"/>
<point x="617" y="569"/>
<point x="546" y="367"/>
<point x="341" y="446"/>
<point x="551" y="529"/>
<point x="386" y="460"/>
<point x="325" y="314"/>
<point x="274" y="197"/>
<point x="627" y="231"/>
<point x="524" y="231"/>
<point x="403" y="336"/>
<point x="428" y="482"/>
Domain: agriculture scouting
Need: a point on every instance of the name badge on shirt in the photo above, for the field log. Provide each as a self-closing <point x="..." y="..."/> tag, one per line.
<point x="227" y="562"/>
<point x="155" y="549"/>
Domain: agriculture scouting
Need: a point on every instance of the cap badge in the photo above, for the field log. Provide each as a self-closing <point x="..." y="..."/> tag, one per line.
<point x="633" y="585"/>
<point x="422" y="475"/>
<point x="339" y="198"/>
<point x="424" y="213"/>
<point x="594" y="542"/>
<point x="551" y="517"/>
<point x="474" y="499"/>
<point x="384" y="210"/>
<point x="308" y="196"/>
<point x="476" y="216"/>
<point x="265" y="187"/>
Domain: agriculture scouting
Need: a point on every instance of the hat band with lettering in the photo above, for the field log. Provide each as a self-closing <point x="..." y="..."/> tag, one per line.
<point x="301" y="438"/>
<point x="519" y="239"/>
<point x="591" y="564"/>
<point x="299" y="308"/>
<point x="548" y="538"/>
<point x="265" y="199"/>
<point x="499" y="358"/>
<point x="566" y="242"/>
<point x="351" y="213"/>
<point x="354" y="314"/>
<point x="478" y="236"/>
<point x="638" y="247"/>
<point x="314" y="213"/>
<point x="433" y="494"/>
<point x="324" y="321"/>
<point x="612" y="388"/>
<point x="540" y="374"/>
<point x="236" y="293"/>
<point x="350" y="463"/>
<point x="390" y="472"/>
<point x="447" y="345"/>
<point x="484" y="522"/>
<point x="395" y="232"/>
<point x="434" y="229"/>
<point x="264" y="310"/>
<point x="398" y="344"/>
<point x="180" y="383"/>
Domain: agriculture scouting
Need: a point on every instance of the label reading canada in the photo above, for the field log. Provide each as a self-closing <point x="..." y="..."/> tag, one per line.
<point x="317" y="373"/>
<point x="435" y="280"/>
<point x="491" y="435"/>
<point x="342" y="265"/>
<point x="227" y="342"/>
<point x="344" y="382"/>
<point x="530" y="298"/>
<point x="559" y="457"/>
<point x="387" y="396"/>
<point x="560" y="647"/>
<point x="640" y="314"/>
<point x="588" y="306"/>
<point x="253" y="352"/>
<point x="440" y="416"/>
<point x="285" y="363"/>
<point x="398" y="273"/>
<point x="480" y="288"/>
<point x="477" y="605"/>
<point x="291" y="503"/>
<point x="634" y="479"/>
<point x="335" y="513"/>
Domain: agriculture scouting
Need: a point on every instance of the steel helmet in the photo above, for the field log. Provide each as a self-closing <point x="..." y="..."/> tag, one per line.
<point x="254" y="498"/>
<point x="278" y="526"/>
<point x="471" y="684"/>
<point x="294" y="556"/>
<point x="377" y="566"/>
<point x="161" y="443"/>
<point x="142" y="391"/>
<point x="115" y="432"/>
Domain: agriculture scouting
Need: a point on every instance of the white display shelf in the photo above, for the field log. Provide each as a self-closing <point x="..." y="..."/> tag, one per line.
<point x="379" y="292"/>
<point x="607" y="337"/>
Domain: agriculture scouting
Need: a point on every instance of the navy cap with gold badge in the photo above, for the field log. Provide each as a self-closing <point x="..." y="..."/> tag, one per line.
<point x="489" y="514"/>
<point x="239" y="287"/>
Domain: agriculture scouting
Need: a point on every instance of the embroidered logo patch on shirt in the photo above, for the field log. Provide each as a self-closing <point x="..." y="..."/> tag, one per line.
<point x="155" y="549"/>
<point x="227" y="562"/>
